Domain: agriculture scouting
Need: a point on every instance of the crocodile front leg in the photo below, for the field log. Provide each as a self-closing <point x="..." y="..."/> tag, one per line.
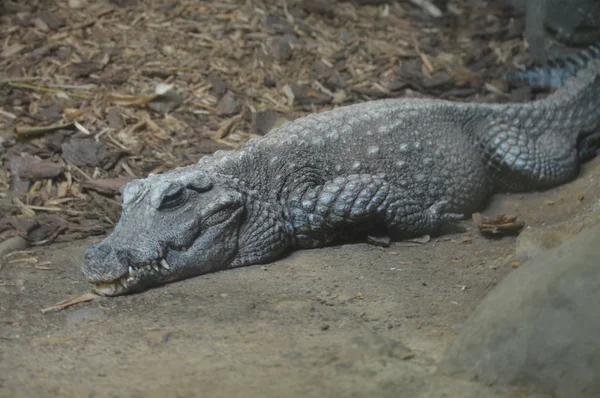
<point x="360" y="204"/>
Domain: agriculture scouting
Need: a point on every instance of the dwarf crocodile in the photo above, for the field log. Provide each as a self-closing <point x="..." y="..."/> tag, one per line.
<point x="395" y="167"/>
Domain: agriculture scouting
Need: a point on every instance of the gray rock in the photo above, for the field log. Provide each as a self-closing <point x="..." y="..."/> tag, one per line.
<point x="533" y="241"/>
<point x="84" y="315"/>
<point x="540" y="326"/>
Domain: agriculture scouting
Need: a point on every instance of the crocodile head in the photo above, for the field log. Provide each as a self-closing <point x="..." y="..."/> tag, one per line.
<point x="173" y="226"/>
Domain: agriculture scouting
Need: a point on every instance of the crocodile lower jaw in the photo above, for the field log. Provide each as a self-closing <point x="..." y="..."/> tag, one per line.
<point x="125" y="282"/>
<point x="113" y="288"/>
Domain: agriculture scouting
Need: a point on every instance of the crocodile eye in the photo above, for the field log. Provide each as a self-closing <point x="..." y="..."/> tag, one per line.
<point x="173" y="199"/>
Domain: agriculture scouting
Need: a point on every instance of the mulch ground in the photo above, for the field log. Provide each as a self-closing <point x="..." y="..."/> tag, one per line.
<point x="96" y="93"/>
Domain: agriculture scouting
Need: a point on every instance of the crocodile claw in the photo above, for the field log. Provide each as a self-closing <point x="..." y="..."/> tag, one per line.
<point x="439" y="215"/>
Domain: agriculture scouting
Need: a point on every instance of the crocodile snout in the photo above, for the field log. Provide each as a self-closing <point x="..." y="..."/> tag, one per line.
<point x="102" y="264"/>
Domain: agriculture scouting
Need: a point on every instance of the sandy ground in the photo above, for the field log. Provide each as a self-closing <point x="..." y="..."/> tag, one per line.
<point x="354" y="320"/>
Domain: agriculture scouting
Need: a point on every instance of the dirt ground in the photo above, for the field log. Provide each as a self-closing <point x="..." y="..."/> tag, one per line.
<point x="351" y="321"/>
<point x="94" y="94"/>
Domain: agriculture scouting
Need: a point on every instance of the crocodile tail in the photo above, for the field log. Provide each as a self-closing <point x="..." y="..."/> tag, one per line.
<point x="556" y="71"/>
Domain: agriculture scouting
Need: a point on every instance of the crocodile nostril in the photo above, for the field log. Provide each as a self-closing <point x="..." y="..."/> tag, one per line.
<point x="98" y="252"/>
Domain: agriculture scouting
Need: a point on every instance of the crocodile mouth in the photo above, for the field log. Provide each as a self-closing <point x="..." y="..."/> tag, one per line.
<point x="124" y="283"/>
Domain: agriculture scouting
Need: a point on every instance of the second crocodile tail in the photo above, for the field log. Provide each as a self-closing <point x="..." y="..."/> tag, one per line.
<point x="555" y="72"/>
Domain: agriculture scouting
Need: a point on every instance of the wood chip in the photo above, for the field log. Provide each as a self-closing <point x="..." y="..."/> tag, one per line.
<point x="514" y="264"/>
<point x="226" y="127"/>
<point x="228" y="105"/>
<point x="109" y="186"/>
<point x="115" y="121"/>
<point x="84" y="152"/>
<point x="265" y="121"/>
<point x="69" y="302"/>
<point x="498" y="225"/>
<point x="134" y="100"/>
<point x="428" y="7"/>
<point x="304" y="95"/>
<point x="25" y="131"/>
<point x="465" y="240"/>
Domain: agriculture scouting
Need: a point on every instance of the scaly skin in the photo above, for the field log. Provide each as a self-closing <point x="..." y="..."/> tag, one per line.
<point x="556" y="71"/>
<point x="401" y="167"/>
<point x="557" y="28"/>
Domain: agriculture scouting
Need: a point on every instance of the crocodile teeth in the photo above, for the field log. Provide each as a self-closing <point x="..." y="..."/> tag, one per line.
<point x="155" y="267"/>
<point x="164" y="263"/>
<point x="131" y="272"/>
<point x="123" y="282"/>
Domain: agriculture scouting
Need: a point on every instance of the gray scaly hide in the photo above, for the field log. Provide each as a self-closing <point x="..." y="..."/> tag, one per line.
<point x="400" y="167"/>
